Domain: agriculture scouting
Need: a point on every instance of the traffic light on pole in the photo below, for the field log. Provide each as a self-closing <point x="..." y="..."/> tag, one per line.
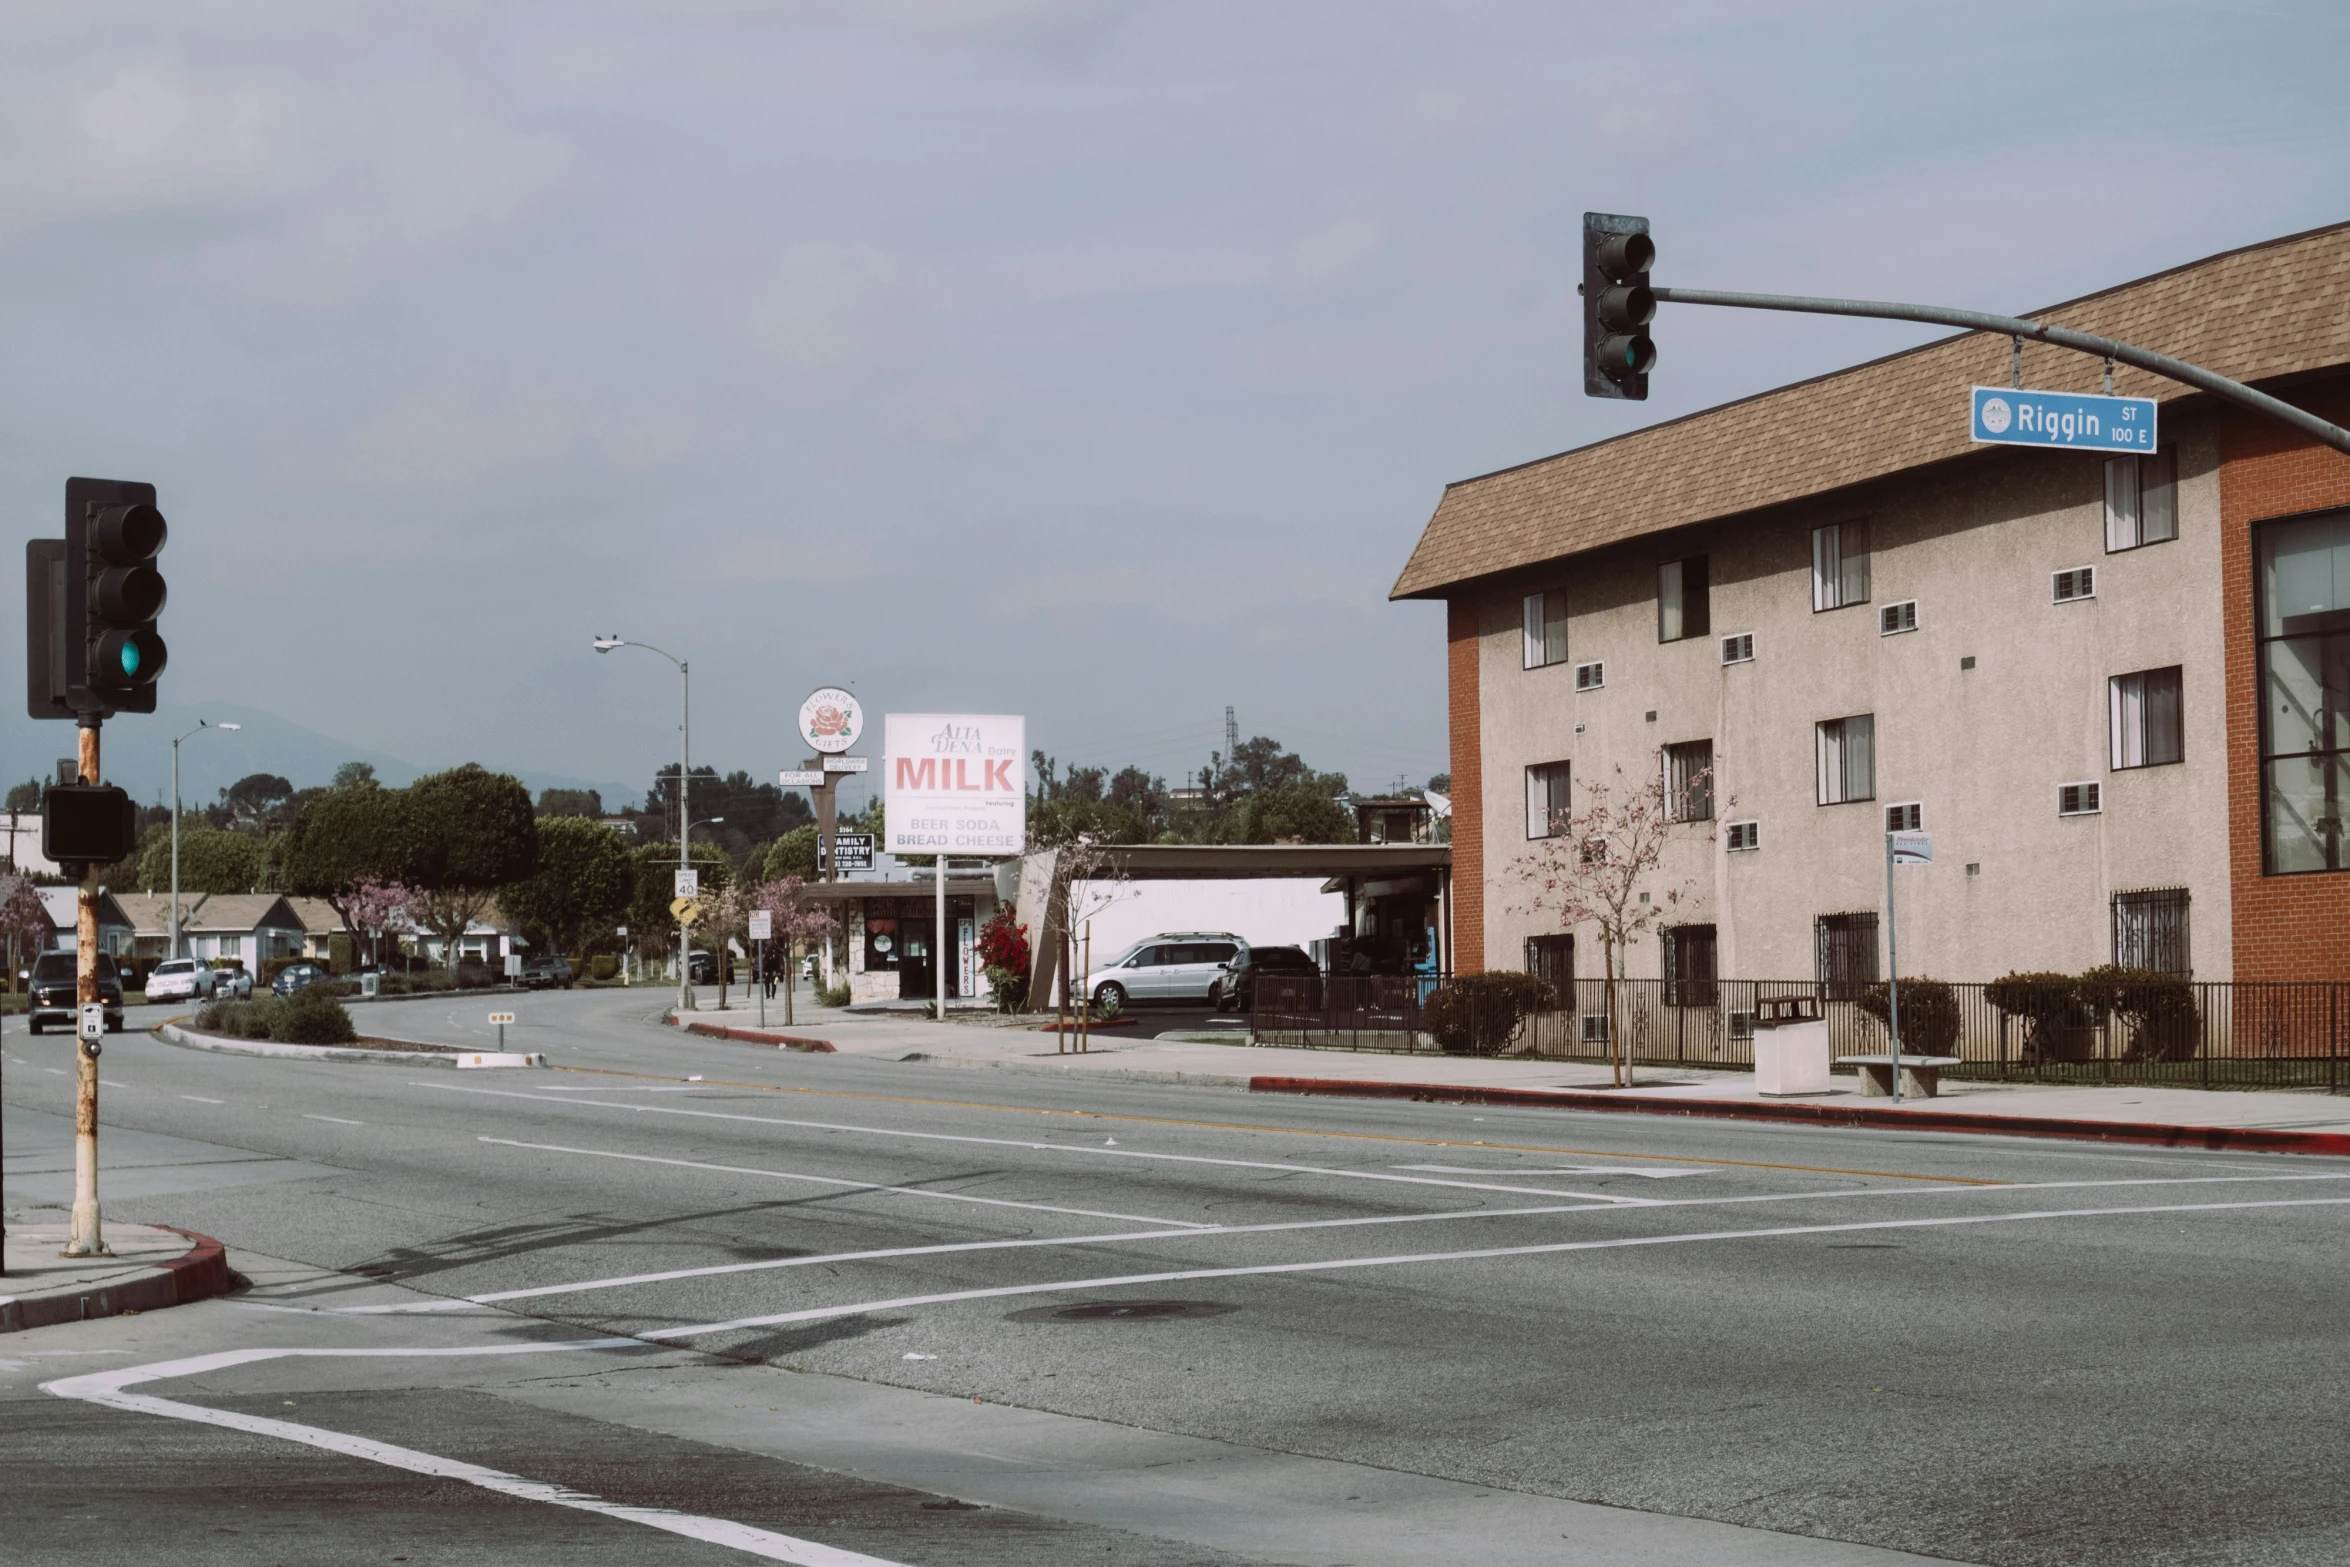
<point x="112" y="535"/>
<point x="1617" y="306"/>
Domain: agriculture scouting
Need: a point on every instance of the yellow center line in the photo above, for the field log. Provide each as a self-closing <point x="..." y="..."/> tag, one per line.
<point x="1286" y="1131"/>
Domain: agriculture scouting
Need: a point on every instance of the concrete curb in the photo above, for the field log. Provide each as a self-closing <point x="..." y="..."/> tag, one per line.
<point x="752" y="1036"/>
<point x="199" y="1274"/>
<point x="172" y="1033"/>
<point x="2228" y="1139"/>
<point x="1107" y="1074"/>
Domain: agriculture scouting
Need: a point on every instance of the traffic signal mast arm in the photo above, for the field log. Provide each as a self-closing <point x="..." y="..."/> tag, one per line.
<point x="2015" y="326"/>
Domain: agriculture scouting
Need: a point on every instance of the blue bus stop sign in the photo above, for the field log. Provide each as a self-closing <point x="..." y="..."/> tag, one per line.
<point x="2004" y="416"/>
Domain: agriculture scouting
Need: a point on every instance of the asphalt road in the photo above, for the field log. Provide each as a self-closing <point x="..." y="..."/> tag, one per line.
<point x="951" y="1316"/>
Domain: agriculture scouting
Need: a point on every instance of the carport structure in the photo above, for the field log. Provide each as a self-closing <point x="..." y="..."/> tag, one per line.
<point x="1397" y="894"/>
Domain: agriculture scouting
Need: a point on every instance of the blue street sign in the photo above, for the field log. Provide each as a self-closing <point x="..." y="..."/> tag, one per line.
<point x="2007" y="417"/>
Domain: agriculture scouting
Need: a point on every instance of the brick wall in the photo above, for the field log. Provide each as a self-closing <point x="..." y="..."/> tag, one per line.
<point x="1468" y="787"/>
<point x="2286" y="927"/>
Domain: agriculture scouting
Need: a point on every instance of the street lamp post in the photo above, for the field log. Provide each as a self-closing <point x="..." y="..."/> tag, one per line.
<point x="685" y="707"/>
<point x="201" y="726"/>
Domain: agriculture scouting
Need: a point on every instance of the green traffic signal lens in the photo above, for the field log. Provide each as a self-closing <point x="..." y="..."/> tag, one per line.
<point x="130" y="660"/>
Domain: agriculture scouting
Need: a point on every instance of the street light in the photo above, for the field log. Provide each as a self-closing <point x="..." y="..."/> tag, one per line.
<point x="201" y="726"/>
<point x="685" y="707"/>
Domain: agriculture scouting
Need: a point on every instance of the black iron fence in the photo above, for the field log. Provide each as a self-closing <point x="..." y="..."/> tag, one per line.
<point x="2193" y="1035"/>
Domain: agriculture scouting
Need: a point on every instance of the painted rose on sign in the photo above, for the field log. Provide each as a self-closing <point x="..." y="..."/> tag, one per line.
<point x="831" y="720"/>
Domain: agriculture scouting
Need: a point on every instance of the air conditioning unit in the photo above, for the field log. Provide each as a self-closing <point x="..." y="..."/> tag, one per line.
<point x="1744" y="836"/>
<point x="1738" y="649"/>
<point x="2079" y="799"/>
<point x="1894" y="619"/>
<point x="1595" y="1028"/>
<point x="1590" y="677"/>
<point x="2078" y="583"/>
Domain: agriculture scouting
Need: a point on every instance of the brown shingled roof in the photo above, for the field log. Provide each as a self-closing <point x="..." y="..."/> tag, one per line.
<point x="2268" y="310"/>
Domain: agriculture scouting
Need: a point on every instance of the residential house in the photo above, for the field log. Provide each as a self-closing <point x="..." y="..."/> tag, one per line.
<point x="227" y="928"/>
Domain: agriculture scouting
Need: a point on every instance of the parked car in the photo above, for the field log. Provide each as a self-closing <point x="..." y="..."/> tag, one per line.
<point x="53" y="988"/>
<point x="179" y="979"/>
<point x="1237" y="990"/>
<point x="704" y="968"/>
<point x="550" y="971"/>
<point x="1181" y="966"/>
<point x="294" y="976"/>
<point x="235" y="981"/>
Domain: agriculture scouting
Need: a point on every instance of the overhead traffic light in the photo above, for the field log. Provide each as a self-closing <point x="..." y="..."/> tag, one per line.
<point x="92" y="649"/>
<point x="1617" y="306"/>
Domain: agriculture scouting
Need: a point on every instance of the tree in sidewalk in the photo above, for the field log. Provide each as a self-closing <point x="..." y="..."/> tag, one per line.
<point x="795" y="922"/>
<point x="1599" y="867"/>
<point x="348" y="838"/>
<point x="24" y="922"/>
<point x="584" y="882"/>
<point x="472" y="832"/>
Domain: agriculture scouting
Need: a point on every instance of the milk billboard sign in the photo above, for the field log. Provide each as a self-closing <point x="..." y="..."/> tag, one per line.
<point x="955" y="783"/>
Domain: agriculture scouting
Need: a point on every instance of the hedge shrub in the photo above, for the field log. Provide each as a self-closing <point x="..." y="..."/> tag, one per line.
<point x="1930" y="1022"/>
<point x="1478" y="1014"/>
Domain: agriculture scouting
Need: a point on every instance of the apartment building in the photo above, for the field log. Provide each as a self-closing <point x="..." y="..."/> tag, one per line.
<point x="2116" y="690"/>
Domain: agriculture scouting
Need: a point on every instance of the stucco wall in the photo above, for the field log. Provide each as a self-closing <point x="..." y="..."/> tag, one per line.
<point x="1975" y="543"/>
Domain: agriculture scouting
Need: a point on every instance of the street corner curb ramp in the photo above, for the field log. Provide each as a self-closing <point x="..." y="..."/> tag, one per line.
<point x="753" y="1036"/>
<point x="2216" y="1139"/>
<point x="200" y="1273"/>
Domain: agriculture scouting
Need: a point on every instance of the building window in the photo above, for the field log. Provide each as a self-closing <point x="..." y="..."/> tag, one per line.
<point x="1894" y="619"/>
<point x="1546" y="800"/>
<point x="1681" y="605"/>
<point x="1848" y="759"/>
<point x="1738" y="649"/>
<point x="1847" y="954"/>
<point x="2079" y="799"/>
<point x="1546" y="629"/>
<point x="2305" y="694"/>
<point x="1690" y="976"/>
<point x="1839" y="565"/>
<point x="1743" y="836"/>
<point x="1551" y="959"/>
<point x="2147" y="730"/>
<point x="1689" y="781"/>
<point x="2078" y="583"/>
<point x="2150" y="931"/>
<point x="1905" y="818"/>
<point x="1590" y="677"/>
<point x="2141" y="500"/>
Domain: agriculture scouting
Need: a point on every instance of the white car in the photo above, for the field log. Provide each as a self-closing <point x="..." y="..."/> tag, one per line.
<point x="179" y="979"/>
<point x="236" y="982"/>
<point x="1182" y="965"/>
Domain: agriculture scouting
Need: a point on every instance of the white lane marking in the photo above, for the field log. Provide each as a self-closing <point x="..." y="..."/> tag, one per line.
<point x="713" y="1270"/>
<point x="1085" y="1148"/>
<point x="108" y="1082"/>
<point x="106" y="1387"/>
<point x="862" y="1186"/>
<point x="1659" y="1173"/>
<point x="338" y="1120"/>
<point x="200" y="1099"/>
<point x="903" y="1302"/>
<point x="57" y="1070"/>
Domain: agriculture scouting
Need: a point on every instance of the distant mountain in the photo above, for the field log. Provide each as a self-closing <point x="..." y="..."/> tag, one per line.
<point x="138" y="755"/>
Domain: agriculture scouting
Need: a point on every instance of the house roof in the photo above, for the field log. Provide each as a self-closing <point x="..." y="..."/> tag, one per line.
<point x="2280" y="308"/>
<point x="59" y="903"/>
<point x="149" y="913"/>
<point x="317" y="915"/>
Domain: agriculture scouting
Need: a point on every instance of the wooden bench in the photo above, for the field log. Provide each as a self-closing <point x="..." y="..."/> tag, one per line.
<point x="1921" y="1076"/>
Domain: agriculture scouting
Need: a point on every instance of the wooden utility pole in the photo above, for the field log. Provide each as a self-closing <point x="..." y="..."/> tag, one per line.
<point x="87" y="1237"/>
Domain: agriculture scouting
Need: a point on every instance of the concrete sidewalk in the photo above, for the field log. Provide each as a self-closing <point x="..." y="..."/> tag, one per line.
<point x="2306" y="1121"/>
<point x="151" y="1268"/>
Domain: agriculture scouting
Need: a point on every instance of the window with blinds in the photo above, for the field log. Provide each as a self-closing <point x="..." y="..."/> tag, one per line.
<point x="1682" y="601"/>
<point x="2141" y="500"/>
<point x="1847" y="759"/>
<point x="1546" y="800"/>
<point x="2148" y="729"/>
<point x="1689" y="781"/>
<point x="1546" y="628"/>
<point x="1839" y="565"/>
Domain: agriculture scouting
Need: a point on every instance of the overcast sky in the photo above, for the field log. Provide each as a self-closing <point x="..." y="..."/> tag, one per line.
<point x="1094" y="361"/>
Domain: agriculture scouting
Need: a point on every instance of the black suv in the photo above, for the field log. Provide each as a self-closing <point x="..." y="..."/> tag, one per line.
<point x="1237" y="990"/>
<point x="549" y="971"/>
<point x="53" y="992"/>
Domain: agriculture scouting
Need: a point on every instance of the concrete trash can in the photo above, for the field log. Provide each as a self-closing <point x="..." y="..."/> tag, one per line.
<point x="1790" y="1047"/>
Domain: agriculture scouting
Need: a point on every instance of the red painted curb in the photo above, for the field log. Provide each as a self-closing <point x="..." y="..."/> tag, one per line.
<point x="2238" y="1139"/>
<point x="1099" y="1022"/>
<point x="752" y="1036"/>
<point x="197" y="1274"/>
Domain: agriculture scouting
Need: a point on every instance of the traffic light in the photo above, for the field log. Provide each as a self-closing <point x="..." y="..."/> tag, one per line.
<point x="1617" y="306"/>
<point x="92" y="649"/>
<point x="87" y="824"/>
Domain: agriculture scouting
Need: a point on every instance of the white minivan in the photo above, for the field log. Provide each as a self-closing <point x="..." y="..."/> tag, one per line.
<point x="1181" y="965"/>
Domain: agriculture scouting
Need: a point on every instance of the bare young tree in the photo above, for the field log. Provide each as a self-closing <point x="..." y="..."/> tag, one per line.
<point x="1596" y="869"/>
<point x="796" y="923"/>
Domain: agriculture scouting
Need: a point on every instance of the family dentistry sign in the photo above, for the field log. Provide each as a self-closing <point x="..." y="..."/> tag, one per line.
<point x="956" y="783"/>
